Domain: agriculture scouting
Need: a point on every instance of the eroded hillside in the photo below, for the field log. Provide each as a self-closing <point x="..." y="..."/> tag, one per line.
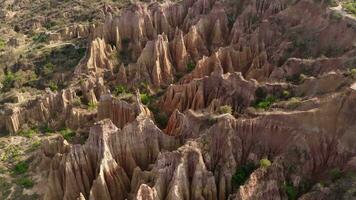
<point x="192" y="99"/>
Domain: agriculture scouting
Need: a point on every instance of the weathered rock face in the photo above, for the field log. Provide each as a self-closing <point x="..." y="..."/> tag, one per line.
<point x="41" y="110"/>
<point x="204" y="55"/>
<point x="101" y="169"/>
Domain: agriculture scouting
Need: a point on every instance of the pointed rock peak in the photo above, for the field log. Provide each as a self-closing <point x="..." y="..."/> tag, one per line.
<point x="104" y="128"/>
<point x="146" y="193"/>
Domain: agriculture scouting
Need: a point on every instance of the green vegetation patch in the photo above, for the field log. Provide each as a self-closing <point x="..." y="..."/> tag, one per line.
<point x="67" y="134"/>
<point x="266" y="103"/>
<point x="10" y="153"/>
<point x="242" y="174"/>
<point x="264" y="163"/>
<point x="8" y="80"/>
<point x="190" y="66"/>
<point x="28" y="133"/>
<point x="2" y="44"/>
<point x="145" y="98"/>
<point x="20" y="168"/>
<point x="350" y="7"/>
<point x="40" y="38"/>
<point x="226" y="109"/>
<point x="120" y="89"/>
<point x="92" y="105"/>
<point x="25" y="182"/>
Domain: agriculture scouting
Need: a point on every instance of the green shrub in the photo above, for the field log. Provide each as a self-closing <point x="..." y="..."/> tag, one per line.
<point x="28" y="133"/>
<point x="350" y="7"/>
<point x="226" y="109"/>
<point x="242" y="174"/>
<point x="92" y="105"/>
<point x="120" y="89"/>
<point x="161" y="119"/>
<point x="20" y="168"/>
<point x="265" y="103"/>
<point x="286" y="94"/>
<point x="2" y="44"/>
<point x="290" y="190"/>
<point x="25" y="182"/>
<point x="335" y="16"/>
<point x="190" y="66"/>
<point x="353" y="73"/>
<point x="48" y="68"/>
<point x="53" y="86"/>
<point x="293" y="102"/>
<point x="40" y="38"/>
<point x="8" y="80"/>
<point x="335" y="174"/>
<point x="264" y="163"/>
<point x="145" y="98"/>
<point x="67" y="134"/>
<point x="46" y="129"/>
<point x="49" y="24"/>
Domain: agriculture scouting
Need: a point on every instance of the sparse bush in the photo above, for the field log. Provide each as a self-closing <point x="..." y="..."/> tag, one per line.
<point x="53" y="86"/>
<point x="161" y="119"/>
<point x="2" y="44"/>
<point x="25" y="182"/>
<point x="265" y="103"/>
<point x="335" y="174"/>
<point x="226" y="109"/>
<point x="353" y="73"/>
<point x="8" y="80"/>
<point x="40" y="38"/>
<point x="28" y="133"/>
<point x="92" y="105"/>
<point x="294" y="102"/>
<point x="46" y="129"/>
<point x="77" y="102"/>
<point x="242" y="174"/>
<point x="120" y="89"/>
<point x="49" y="24"/>
<point x="145" y="98"/>
<point x="290" y="190"/>
<point x="20" y="168"/>
<point x="190" y="66"/>
<point x="350" y="7"/>
<point x="286" y="94"/>
<point x="67" y="134"/>
<point x="264" y="163"/>
<point x="335" y="16"/>
<point x="48" y="68"/>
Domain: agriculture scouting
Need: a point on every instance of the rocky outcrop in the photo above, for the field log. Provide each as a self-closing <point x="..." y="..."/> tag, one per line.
<point x="231" y="89"/>
<point x="103" y="166"/>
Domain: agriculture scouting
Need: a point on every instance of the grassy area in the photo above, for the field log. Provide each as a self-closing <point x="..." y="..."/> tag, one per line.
<point x="67" y="134"/>
<point x="10" y="153"/>
<point x="350" y="7"/>
<point x="28" y="133"/>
